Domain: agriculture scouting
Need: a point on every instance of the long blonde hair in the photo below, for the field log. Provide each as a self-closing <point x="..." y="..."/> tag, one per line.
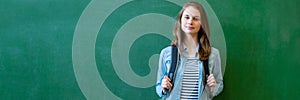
<point x="203" y="34"/>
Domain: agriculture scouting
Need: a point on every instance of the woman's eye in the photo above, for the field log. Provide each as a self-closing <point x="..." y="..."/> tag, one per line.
<point x="187" y="17"/>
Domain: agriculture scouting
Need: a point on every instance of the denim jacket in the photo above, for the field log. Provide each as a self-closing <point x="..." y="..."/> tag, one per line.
<point x="163" y="70"/>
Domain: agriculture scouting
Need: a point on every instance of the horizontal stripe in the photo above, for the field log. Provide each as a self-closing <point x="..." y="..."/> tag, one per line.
<point x="189" y="89"/>
<point x="190" y="82"/>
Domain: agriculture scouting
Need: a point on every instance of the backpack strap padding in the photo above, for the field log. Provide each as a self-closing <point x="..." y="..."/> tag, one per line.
<point x="173" y="68"/>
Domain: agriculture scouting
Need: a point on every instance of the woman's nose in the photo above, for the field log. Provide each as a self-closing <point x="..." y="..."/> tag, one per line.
<point x="190" y="21"/>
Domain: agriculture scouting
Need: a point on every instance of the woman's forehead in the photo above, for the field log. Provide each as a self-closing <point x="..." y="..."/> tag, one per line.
<point x="192" y="11"/>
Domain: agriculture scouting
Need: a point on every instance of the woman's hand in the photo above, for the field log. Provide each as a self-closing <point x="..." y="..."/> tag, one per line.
<point x="211" y="82"/>
<point x="166" y="83"/>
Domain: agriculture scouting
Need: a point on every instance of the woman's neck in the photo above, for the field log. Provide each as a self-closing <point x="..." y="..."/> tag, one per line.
<point x="191" y="43"/>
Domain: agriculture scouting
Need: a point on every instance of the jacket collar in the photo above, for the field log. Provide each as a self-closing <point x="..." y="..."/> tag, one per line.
<point x="186" y="50"/>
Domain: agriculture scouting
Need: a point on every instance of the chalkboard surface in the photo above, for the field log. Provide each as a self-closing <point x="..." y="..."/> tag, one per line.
<point x="40" y="54"/>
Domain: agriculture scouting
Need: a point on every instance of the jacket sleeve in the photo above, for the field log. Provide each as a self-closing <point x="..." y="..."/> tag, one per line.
<point x="216" y="70"/>
<point x="161" y="72"/>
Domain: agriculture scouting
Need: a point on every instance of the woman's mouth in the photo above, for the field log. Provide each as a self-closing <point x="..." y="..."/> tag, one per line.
<point x="189" y="27"/>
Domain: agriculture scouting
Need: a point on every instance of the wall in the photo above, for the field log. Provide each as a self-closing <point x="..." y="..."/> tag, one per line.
<point x="81" y="49"/>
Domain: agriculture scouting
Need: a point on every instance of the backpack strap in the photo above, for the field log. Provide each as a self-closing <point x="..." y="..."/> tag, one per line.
<point x="174" y="59"/>
<point x="173" y="69"/>
<point x="206" y="71"/>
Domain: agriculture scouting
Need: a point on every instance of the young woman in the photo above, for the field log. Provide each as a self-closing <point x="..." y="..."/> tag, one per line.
<point x="192" y="39"/>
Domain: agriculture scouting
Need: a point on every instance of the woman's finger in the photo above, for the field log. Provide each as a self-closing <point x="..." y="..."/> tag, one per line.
<point x="211" y="76"/>
<point x="212" y="84"/>
<point x="211" y="81"/>
<point x="166" y="83"/>
<point x="167" y="78"/>
<point x="169" y="85"/>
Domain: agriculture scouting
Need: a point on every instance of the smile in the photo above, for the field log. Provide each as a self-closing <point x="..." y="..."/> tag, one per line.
<point x="189" y="27"/>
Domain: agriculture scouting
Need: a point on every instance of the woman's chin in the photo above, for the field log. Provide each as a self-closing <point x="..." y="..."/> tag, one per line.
<point x="190" y="32"/>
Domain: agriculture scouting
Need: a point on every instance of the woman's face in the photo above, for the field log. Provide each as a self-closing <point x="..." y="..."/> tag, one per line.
<point x="190" y="20"/>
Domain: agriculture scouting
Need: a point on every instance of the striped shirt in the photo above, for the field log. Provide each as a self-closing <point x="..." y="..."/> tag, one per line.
<point x="190" y="82"/>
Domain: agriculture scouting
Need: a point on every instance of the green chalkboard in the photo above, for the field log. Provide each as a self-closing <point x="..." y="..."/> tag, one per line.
<point x="108" y="49"/>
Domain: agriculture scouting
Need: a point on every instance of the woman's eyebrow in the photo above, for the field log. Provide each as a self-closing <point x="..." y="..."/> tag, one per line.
<point x="191" y="16"/>
<point x="186" y="15"/>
